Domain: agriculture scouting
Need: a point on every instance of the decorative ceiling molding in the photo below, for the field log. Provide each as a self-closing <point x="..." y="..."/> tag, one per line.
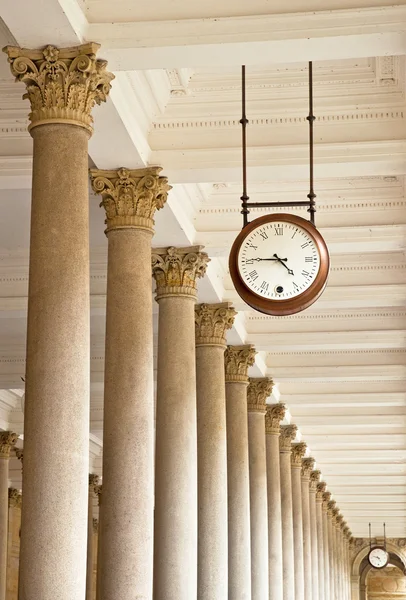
<point x="319" y="316"/>
<point x="331" y="119"/>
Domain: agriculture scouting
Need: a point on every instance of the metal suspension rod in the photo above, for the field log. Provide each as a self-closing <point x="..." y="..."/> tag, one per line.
<point x="311" y="118"/>
<point x="384" y="535"/>
<point x="244" y="122"/>
<point x="370" y="539"/>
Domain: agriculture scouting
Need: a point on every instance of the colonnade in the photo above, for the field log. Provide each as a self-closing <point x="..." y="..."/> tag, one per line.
<point x="230" y="508"/>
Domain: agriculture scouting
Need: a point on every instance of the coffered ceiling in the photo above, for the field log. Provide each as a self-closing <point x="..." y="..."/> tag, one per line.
<point x="340" y="366"/>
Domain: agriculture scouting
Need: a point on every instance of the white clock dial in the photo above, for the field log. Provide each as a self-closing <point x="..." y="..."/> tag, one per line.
<point x="278" y="260"/>
<point x="378" y="558"/>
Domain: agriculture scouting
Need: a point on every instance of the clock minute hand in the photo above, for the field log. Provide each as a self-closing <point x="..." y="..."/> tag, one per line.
<point x="274" y="259"/>
<point x="281" y="260"/>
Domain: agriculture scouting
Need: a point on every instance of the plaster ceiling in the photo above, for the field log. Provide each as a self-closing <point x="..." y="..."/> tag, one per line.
<point x="340" y="366"/>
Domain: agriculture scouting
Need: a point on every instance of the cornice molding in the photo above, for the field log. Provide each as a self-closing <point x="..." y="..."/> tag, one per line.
<point x="297" y="120"/>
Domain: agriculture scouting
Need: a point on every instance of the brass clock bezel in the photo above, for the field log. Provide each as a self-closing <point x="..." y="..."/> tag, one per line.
<point x="387" y="557"/>
<point x="292" y="305"/>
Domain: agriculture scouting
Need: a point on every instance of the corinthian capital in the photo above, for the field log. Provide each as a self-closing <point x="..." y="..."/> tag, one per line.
<point x="7" y="441"/>
<point x="237" y="359"/>
<point x="19" y="454"/>
<point x="130" y="197"/>
<point x="321" y="488"/>
<point x="288" y="434"/>
<point x="298" y="452"/>
<point x="259" y="389"/>
<point x="14" y="498"/>
<point x="63" y="84"/>
<point x="314" y="480"/>
<point x="176" y="270"/>
<point x="94" y="482"/>
<point x="307" y="467"/>
<point x="326" y="500"/>
<point x="212" y="322"/>
<point x="331" y="507"/>
<point x="275" y="413"/>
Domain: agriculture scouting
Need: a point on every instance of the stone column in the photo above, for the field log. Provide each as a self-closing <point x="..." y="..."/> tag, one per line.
<point x="259" y="389"/>
<point x="7" y="441"/>
<point x="211" y="324"/>
<point x="273" y="417"/>
<point x="340" y="548"/>
<point x="337" y="586"/>
<point x="347" y="562"/>
<point x="93" y="484"/>
<point x="13" y="541"/>
<point x="62" y="85"/>
<point x="314" y="480"/>
<point x="130" y="199"/>
<point x="326" y="545"/>
<point x="237" y="361"/>
<point x="298" y="452"/>
<point x="321" y="488"/>
<point x="331" y="543"/>
<point x="288" y="434"/>
<point x="99" y="492"/>
<point x="176" y="271"/>
<point x="307" y="468"/>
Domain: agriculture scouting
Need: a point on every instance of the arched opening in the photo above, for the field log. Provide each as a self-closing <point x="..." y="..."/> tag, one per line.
<point x="361" y="570"/>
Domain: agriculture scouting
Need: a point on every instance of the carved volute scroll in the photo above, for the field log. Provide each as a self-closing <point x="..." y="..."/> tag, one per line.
<point x="212" y="322"/>
<point x="7" y="441"/>
<point x="259" y="389"/>
<point x="63" y="84"/>
<point x="298" y="452"/>
<point x="307" y="467"/>
<point x="176" y="270"/>
<point x="288" y="434"/>
<point x="275" y="413"/>
<point x="130" y="197"/>
<point x="237" y="360"/>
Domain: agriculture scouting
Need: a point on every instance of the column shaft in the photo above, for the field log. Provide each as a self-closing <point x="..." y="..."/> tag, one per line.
<point x="211" y="322"/>
<point x="288" y="433"/>
<point x="326" y="546"/>
<point x="298" y="452"/>
<point x="307" y="466"/>
<point x="7" y="440"/>
<point x="175" y="549"/>
<point x="313" y="534"/>
<point x="93" y="483"/>
<point x="130" y="199"/>
<point x="331" y="545"/>
<point x="237" y="360"/>
<point x="273" y="417"/>
<point x="320" y="539"/>
<point x="258" y="391"/>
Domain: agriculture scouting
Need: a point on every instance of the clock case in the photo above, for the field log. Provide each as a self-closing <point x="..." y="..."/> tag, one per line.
<point x="289" y="306"/>
<point x="387" y="557"/>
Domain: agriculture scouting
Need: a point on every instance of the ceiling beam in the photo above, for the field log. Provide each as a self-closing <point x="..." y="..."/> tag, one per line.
<point x="259" y="39"/>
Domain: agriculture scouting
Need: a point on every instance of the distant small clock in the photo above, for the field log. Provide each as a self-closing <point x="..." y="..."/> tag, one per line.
<point x="378" y="557"/>
<point x="279" y="264"/>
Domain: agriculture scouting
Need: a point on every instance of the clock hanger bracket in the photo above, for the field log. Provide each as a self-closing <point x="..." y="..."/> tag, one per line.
<point x="310" y="202"/>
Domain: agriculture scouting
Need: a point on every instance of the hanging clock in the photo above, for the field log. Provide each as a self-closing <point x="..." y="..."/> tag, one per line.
<point x="378" y="557"/>
<point x="279" y="264"/>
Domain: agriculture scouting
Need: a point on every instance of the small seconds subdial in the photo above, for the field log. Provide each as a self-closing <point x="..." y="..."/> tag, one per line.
<point x="278" y="260"/>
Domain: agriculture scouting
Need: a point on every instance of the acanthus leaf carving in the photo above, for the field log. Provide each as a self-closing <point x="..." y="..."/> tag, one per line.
<point x="320" y="491"/>
<point x="237" y="359"/>
<point x="298" y="453"/>
<point x="314" y="480"/>
<point x="307" y="467"/>
<point x="14" y="498"/>
<point x="63" y="84"/>
<point x="259" y="389"/>
<point x="288" y="434"/>
<point x="130" y="197"/>
<point x="212" y="322"/>
<point x="176" y="270"/>
<point x="7" y="441"/>
<point x="275" y="413"/>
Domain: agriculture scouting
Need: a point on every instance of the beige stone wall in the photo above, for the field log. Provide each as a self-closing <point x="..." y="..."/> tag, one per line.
<point x="14" y="524"/>
<point x="388" y="584"/>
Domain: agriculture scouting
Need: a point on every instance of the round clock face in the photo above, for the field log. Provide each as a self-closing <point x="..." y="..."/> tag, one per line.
<point x="279" y="264"/>
<point x="378" y="558"/>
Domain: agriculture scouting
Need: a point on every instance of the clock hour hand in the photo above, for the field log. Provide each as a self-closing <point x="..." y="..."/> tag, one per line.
<point x="282" y="261"/>
<point x="275" y="259"/>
